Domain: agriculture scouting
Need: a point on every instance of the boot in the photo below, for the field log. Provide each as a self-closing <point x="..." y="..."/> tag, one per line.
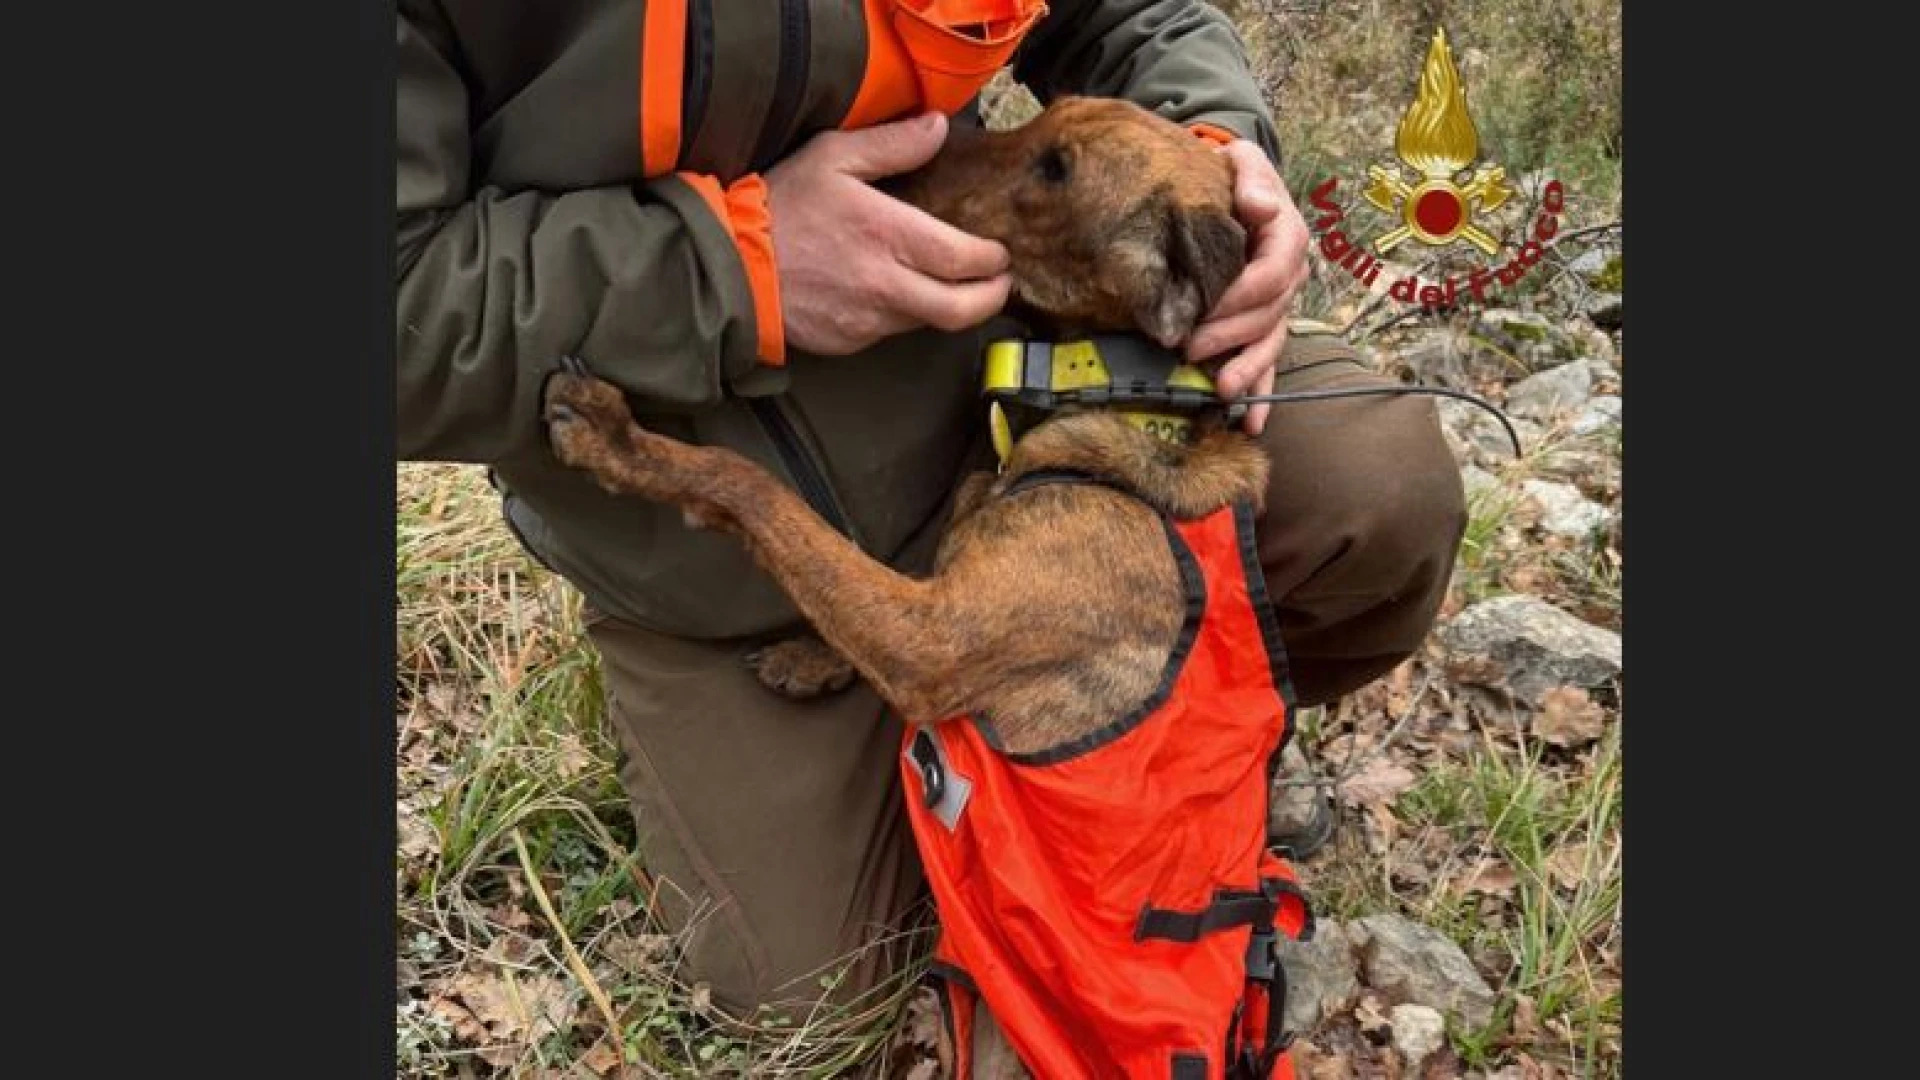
<point x="1300" y="817"/>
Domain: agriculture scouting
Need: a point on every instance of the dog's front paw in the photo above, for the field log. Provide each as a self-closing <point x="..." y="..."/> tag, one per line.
<point x="587" y="418"/>
<point x="800" y="668"/>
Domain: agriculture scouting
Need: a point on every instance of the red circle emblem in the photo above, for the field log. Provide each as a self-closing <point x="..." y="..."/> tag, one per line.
<point x="1438" y="212"/>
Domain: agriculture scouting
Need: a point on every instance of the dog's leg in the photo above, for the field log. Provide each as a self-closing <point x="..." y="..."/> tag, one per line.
<point x="900" y="633"/>
<point x="801" y="667"/>
<point x="805" y="666"/>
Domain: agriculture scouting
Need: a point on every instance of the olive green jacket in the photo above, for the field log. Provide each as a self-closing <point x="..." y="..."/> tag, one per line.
<point x="581" y="177"/>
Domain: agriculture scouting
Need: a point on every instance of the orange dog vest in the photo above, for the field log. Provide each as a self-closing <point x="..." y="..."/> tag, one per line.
<point x="1114" y="900"/>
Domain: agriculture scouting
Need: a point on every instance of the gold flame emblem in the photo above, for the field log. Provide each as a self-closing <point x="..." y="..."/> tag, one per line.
<point x="1437" y="140"/>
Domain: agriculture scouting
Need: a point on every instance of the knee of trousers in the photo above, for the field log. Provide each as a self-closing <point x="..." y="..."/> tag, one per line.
<point x="1363" y="519"/>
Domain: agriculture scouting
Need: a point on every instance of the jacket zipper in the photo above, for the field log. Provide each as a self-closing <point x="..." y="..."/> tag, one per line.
<point x="796" y="46"/>
<point x="807" y="477"/>
<point x="698" y="68"/>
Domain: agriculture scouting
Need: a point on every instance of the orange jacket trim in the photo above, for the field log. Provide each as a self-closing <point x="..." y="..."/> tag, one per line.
<point x="742" y="208"/>
<point x="663" y="39"/>
<point x="1213" y="133"/>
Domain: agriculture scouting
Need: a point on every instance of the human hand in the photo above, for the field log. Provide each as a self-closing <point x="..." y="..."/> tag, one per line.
<point x="1252" y="314"/>
<point x="857" y="265"/>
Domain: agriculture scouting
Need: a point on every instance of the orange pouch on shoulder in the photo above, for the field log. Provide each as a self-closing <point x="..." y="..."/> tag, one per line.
<point x="935" y="54"/>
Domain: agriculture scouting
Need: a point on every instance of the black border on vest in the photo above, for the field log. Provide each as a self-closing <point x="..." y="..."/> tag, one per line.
<point x="1195" y="587"/>
<point x="947" y="972"/>
<point x="1277" y="659"/>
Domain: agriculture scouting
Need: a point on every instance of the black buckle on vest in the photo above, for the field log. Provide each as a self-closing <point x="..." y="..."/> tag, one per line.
<point x="932" y="776"/>
<point x="1263" y="954"/>
<point x="1255" y="1062"/>
<point x="1229" y="908"/>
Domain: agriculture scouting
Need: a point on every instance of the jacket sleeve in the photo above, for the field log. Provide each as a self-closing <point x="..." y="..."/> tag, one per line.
<point x="665" y="287"/>
<point x="1182" y="59"/>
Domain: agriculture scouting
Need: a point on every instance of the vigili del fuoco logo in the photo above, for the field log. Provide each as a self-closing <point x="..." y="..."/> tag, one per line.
<point x="1439" y="194"/>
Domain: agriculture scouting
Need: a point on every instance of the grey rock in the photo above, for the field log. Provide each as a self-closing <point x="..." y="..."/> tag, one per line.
<point x="1597" y="415"/>
<point x="1524" y="324"/>
<point x="1477" y="482"/>
<point x="1604" y="310"/>
<point x="1544" y="395"/>
<point x="1475" y="435"/>
<point x="1591" y="261"/>
<point x="1595" y="471"/>
<point x="1322" y="977"/>
<point x="1566" y="512"/>
<point x="1602" y="358"/>
<point x="1419" y="1032"/>
<point x="1413" y="964"/>
<point x="1526" y="646"/>
<point x="1532" y="337"/>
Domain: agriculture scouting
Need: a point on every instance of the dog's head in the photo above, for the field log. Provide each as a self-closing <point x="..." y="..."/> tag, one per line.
<point x="1115" y="218"/>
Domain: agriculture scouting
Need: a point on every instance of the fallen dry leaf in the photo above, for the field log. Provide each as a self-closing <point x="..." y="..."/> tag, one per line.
<point x="1399" y="683"/>
<point x="420" y="753"/>
<point x="1313" y="1063"/>
<point x="918" y="1048"/>
<point x="1567" y="865"/>
<point x="602" y="1058"/>
<point x="1378" y="781"/>
<point x="466" y="1027"/>
<point x="1406" y="865"/>
<point x="417" y="837"/>
<point x="1533" y="1070"/>
<point x="1383" y="828"/>
<point x="1533" y="580"/>
<point x="1490" y="876"/>
<point x="1372" y="1016"/>
<point x="1526" y="1017"/>
<point x="1477" y="670"/>
<point x="510" y="916"/>
<point x="923" y="1021"/>
<point x="638" y="953"/>
<point x="1568" y="717"/>
<point x="1444" y="1064"/>
<point x="529" y="1008"/>
<point x="572" y="758"/>
<point x="451" y="705"/>
<point x="510" y="950"/>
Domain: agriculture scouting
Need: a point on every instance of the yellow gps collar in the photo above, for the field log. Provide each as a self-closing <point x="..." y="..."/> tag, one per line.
<point x="1153" y="388"/>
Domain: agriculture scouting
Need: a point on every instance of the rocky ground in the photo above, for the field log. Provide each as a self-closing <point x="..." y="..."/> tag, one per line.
<point x="1479" y="864"/>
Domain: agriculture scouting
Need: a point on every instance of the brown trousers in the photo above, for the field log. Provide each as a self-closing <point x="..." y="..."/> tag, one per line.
<point x="776" y="826"/>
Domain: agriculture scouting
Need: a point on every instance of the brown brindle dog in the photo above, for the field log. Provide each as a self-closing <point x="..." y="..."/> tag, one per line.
<point x="1055" y="611"/>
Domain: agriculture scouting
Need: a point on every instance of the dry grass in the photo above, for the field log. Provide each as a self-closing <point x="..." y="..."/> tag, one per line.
<point x="525" y="917"/>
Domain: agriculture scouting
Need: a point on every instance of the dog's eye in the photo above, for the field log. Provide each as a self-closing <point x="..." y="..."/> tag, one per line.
<point x="1052" y="166"/>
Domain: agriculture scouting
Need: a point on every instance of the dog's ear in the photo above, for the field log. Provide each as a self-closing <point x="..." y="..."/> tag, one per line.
<point x="1199" y="254"/>
<point x="1209" y="249"/>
